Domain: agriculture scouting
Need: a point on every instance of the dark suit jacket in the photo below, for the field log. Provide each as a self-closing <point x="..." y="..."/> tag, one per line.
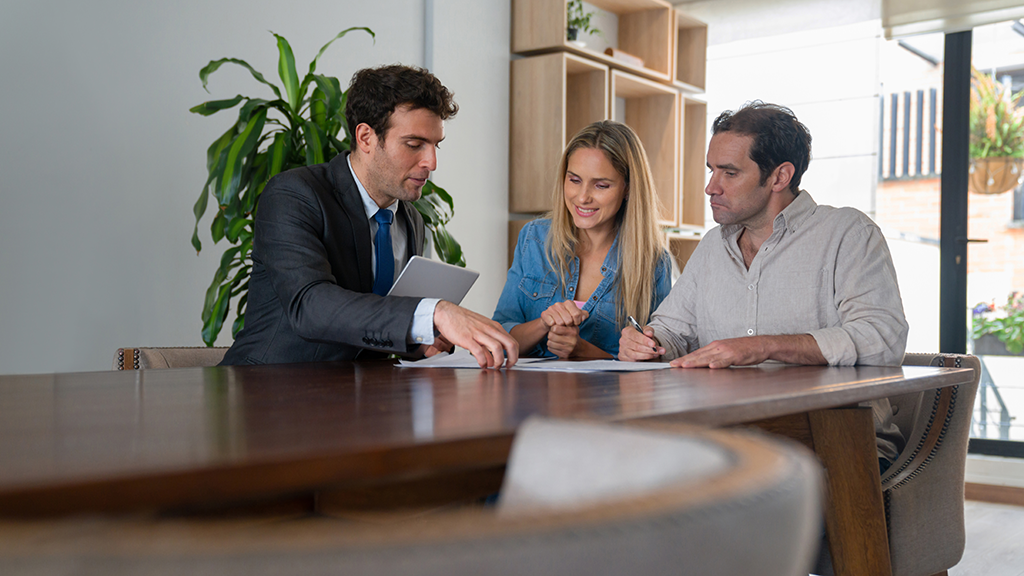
<point x="310" y="294"/>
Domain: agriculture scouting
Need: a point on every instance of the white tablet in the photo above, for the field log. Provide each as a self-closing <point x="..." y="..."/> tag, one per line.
<point x="426" y="278"/>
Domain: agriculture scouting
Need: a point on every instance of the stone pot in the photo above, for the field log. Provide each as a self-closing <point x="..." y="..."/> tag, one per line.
<point x="989" y="345"/>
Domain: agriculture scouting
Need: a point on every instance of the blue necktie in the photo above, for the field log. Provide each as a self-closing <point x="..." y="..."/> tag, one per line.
<point x="385" y="255"/>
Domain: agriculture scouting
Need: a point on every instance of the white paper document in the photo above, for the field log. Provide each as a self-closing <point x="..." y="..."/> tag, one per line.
<point x="463" y="359"/>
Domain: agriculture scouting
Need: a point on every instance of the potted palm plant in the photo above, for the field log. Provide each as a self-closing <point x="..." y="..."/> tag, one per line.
<point x="297" y="127"/>
<point x="996" y="137"/>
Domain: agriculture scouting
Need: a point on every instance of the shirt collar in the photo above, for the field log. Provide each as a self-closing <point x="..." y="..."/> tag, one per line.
<point x="798" y="211"/>
<point x="369" y="205"/>
<point x="611" y="260"/>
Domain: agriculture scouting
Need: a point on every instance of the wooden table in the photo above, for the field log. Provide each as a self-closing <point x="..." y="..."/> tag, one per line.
<point x="168" y="439"/>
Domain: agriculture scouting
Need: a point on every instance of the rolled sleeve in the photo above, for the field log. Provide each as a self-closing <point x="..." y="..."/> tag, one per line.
<point x="675" y="322"/>
<point x="873" y="325"/>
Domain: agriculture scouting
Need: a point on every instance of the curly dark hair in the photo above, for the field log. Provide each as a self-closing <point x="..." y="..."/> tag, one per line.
<point x="375" y="93"/>
<point x="778" y="137"/>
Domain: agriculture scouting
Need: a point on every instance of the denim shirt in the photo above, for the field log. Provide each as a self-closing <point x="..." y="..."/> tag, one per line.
<point x="532" y="286"/>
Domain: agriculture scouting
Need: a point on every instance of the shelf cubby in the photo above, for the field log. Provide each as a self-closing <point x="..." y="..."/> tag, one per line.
<point x="646" y="28"/>
<point x="691" y="53"/>
<point x="652" y="111"/>
<point x="692" y="165"/>
<point x="553" y="97"/>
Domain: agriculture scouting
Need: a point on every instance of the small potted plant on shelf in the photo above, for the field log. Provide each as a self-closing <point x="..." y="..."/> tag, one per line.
<point x="997" y="136"/>
<point x="999" y="330"/>
<point x="579" y="22"/>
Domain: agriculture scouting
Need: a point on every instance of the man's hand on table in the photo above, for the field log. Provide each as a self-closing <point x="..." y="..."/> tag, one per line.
<point x="485" y="339"/>
<point x="750" y="350"/>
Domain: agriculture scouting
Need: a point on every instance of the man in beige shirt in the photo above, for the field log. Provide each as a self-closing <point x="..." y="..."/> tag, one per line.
<point x="781" y="278"/>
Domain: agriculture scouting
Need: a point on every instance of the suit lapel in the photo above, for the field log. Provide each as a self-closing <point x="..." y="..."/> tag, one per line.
<point x="348" y="194"/>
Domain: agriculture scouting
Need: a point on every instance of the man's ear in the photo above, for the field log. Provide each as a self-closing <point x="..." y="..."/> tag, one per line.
<point x="782" y="176"/>
<point x="365" y="138"/>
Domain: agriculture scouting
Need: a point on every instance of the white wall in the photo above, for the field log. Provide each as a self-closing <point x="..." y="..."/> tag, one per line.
<point x="100" y="160"/>
<point x="818" y="57"/>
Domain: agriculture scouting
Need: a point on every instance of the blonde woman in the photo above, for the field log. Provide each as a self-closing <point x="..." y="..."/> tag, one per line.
<point x="595" y="259"/>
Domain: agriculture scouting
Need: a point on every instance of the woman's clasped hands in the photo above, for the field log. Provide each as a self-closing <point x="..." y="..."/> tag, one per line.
<point x="563" y="320"/>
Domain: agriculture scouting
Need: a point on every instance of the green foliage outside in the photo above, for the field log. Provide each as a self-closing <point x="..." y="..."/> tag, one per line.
<point x="1004" y="322"/>
<point x="303" y="124"/>
<point x="997" y="124"/>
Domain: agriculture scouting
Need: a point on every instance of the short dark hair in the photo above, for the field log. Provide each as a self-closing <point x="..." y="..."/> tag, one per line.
<point x="778" y="137"/>
<point x="375" y="93"/>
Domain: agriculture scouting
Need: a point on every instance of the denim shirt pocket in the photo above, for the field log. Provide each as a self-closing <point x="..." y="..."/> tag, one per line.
<point x="537" y="289"/>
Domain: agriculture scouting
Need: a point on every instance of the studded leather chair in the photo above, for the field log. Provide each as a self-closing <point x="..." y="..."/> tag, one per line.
<point x="178" y="357"/>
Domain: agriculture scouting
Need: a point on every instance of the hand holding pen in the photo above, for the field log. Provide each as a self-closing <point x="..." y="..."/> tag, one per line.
<point x="637" y="344"/>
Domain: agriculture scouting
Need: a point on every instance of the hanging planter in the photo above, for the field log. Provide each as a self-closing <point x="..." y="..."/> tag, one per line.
<point x="995" y="174"/>
<point x="996" y="136"/>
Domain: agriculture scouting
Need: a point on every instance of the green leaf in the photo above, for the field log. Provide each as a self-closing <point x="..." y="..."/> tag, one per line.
<point x="312" y="65"/>
<point x="217" y="227"/>
<point x="318" y="108"/>
<point x="245" y="112"/>
<point x="314" y="143"/>
<point x="240" y="148"/>
<point x="219" y="311"/>
<point x="218" y="278"/>
<point x="213" y="153"/>
<point x="331" y="88"/>
<point x="448" y="249"/>
<point x="238" y="324"/>
<point x="435" y="204"/>
<point x="199" y="209"/>
<point x="430" y="188"/>
<point x="214" y="106"/>
<point x="236" y="228"/>
<point x="212" y="67"/>
<point x="286" y="70"/>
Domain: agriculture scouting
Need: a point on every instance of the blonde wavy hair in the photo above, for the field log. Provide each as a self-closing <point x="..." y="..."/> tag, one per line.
<point x="640" y="240"/>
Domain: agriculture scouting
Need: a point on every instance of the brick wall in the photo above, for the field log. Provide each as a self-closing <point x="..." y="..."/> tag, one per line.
<point x="912" y="207"/>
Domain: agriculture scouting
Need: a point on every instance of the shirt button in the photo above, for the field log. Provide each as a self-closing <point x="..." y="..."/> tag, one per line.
<point x="419" y="338"/>
<point x="751" y="287"/>
<point x="534" y="294"/>
<point x="571" y="289"/>
<point x="750" y="331"/>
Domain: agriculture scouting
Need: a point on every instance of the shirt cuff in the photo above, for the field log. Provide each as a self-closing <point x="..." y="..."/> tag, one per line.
<point x="422" y="330"/>
<point x="836" y="346"/>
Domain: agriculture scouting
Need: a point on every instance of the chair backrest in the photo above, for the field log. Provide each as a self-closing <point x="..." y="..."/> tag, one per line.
<point x="924" y="487"/>
<point x="751" y="507"/>
<point x="177" y="357"/>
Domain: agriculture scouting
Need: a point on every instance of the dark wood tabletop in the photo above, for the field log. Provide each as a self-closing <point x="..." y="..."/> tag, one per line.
<point x="86" y="441"/>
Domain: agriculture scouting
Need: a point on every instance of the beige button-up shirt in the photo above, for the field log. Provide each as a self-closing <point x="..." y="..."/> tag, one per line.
<point x="824" y="271"/>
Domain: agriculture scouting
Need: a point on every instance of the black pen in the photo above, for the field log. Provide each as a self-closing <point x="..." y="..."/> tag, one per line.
<point x="638" y="328"/>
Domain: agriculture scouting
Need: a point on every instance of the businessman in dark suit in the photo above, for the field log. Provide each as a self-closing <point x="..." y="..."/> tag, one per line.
<point x="330" y="239"/>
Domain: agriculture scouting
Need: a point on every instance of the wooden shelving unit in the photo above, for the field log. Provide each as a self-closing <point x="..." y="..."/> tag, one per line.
<point x="693" y="163"/>
<point x="553" y="97"/>
<point x="646" y="29"/>
<point x="652" y="111"/>
<point x="691" y="53"/>
<point x="559" y="87"/>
